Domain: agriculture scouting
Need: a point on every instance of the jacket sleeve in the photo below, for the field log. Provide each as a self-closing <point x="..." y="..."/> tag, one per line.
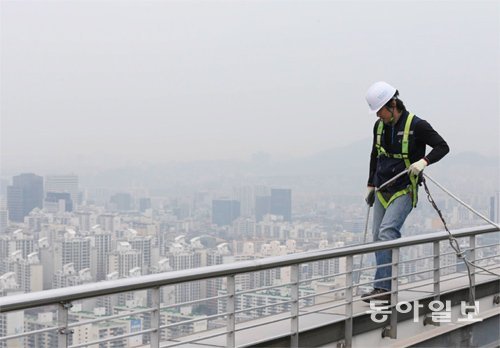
<point x="426" y="134"/>
<point x="373" y="158"/>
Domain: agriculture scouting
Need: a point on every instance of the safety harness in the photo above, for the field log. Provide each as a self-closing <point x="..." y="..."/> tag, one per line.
<point x="412" y="188"/>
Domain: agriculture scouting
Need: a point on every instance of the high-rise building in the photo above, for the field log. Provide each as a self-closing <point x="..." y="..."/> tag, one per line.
<point x="281" y="203"/>
<point x="15" y="202"/>
<point x="4" y="213"/>
<point x="76" y="250"/>
<point x="244" y="227"/>
<point x="225" y="211"/>
<point x="262" y="207"/>
<point x="4" y="217"/>
<point x="144" y="246"/>
<point x="144" y="204"/>
<point x="68" y="276"/>
<point x="186" y="259"/>
<point x="86" y="220"/>
<point x="23" y="242"/>
<point x="264" y="303"/>
<point x="492" y="208"/>
<point x="40" y="321"/>
<point x="212" y="286"/>
<point x="495" y="207"/>
<point x="124" y="260"/>
<point x="30" y="273"/>
<point x="3" y="186"/>
<point x="47" y="254"/>
<point x="11" y="323"/>
<point x="102" y="247"/>
<point x="121" y="202"/>
<point x="25" y="194"/>
<point x="246" y="198"/>
<point x="109" y="221"/>
<point x="16" y="243"/>
<point x="58" y="202"/>
<point x="64" y="183"/>
<point x="34" y="221"/>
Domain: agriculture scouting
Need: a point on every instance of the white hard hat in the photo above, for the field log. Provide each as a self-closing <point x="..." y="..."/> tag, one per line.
<point x="378" y="95"/>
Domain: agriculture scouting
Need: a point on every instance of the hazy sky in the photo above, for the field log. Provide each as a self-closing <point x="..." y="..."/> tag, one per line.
<point x="111" y="82"/>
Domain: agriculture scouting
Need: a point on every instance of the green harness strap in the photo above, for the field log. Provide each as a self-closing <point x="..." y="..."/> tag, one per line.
<point x="412" y="188"/>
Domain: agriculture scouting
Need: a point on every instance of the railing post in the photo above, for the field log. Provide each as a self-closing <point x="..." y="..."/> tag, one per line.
<point x="348" y="298"/>
<point x="62" y="321"/>
<point x="428" y="320"/>
<point x="437" y="271"/>
<point x="393" y="330"/>
<point x="294" y="322"/>
<point x="472" y="258"/>
<point x="155" y="318"/>
<point x="231" y="307"/>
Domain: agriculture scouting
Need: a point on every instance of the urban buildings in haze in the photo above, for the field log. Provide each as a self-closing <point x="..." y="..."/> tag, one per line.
<point x="225" y="211"/>
<point x="64" y="184"/>
<point x="128" y="233"/>
<point x="281" y="203"/>
<point x="25" y="194"/>
<point x="278" y="203"/>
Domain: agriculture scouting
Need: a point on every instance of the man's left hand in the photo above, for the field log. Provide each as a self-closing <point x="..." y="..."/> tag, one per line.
<point x="417" y="167"/>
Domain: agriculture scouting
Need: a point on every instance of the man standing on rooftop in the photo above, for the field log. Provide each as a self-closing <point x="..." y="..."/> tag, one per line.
<point x="399" y="143"/>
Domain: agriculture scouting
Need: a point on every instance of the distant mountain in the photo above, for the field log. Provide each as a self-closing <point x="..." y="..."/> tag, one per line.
<point x="345" y="167"/>
<point x="473" y="159"/>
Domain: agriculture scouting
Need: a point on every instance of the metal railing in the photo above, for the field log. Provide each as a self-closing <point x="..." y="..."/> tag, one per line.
<point x="64" y="298"/>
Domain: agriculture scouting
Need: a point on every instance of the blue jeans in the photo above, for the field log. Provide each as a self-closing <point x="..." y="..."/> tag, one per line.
<point x="387" y="224"/>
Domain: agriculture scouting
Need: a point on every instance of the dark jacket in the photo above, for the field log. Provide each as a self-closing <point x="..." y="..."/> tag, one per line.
<point x="421" y="134"/>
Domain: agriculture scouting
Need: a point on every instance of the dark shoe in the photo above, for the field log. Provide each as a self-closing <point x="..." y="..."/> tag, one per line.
<point x="383" y="295"/>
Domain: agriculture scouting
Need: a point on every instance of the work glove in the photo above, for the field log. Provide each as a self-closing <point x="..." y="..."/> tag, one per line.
<point x="417" y="167"/>
<point x="370" y="195"/>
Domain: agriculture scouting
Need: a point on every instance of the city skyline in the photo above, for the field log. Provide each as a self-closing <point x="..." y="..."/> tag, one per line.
<point x="114" y="235"/>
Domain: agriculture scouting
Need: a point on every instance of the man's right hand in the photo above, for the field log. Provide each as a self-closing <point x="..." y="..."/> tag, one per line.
<point x="370" y="195"/>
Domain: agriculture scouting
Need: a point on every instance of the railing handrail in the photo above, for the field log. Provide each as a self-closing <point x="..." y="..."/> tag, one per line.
<point x="110" y="287"/>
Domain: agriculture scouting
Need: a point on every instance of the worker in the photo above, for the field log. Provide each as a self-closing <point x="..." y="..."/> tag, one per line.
<point x="399" y="143"/>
